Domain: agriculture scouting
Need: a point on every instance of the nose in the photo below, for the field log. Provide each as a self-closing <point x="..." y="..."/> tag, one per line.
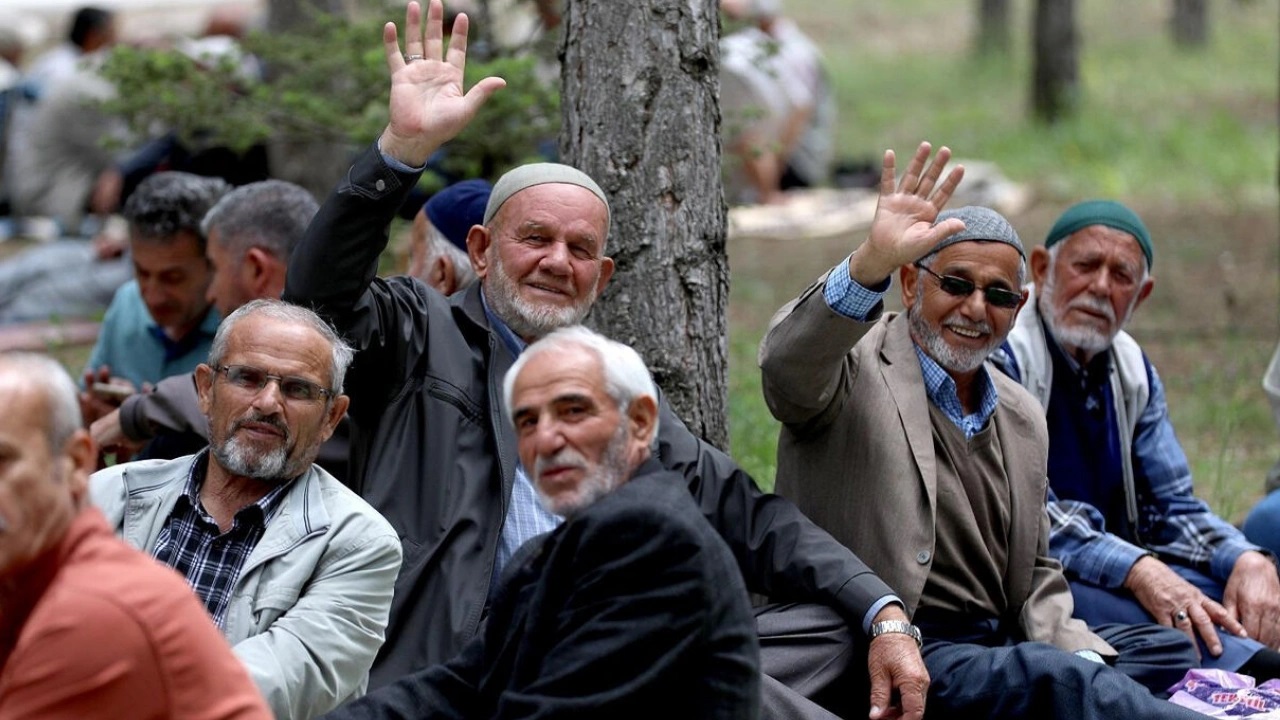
<point x="268" y="400"/>
<point x="974" y="306"/>
<point x="1100" y="283"/>
<point x="556" y="259"/>
<point x="548" y="440"/>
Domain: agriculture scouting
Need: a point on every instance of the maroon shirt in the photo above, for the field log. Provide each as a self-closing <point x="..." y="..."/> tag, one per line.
<point x="99" y="630"/>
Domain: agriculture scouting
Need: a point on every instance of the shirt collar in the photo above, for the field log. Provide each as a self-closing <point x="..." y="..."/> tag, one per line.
<point x="173" y="349"/>
<point x="266" y="505"/>
<point x="941" y="389"/>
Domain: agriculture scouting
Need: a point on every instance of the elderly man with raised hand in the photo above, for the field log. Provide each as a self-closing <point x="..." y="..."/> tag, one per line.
<point x="1135" y="542"/>
<point x="90" y="628"/>
<point x="294" y="568"/>
<point x="633" y="607"/>
<point x="432" y="448"/>
<point x="947" y="497"/>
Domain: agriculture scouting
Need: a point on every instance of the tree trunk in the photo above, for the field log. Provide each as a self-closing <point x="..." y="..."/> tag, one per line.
<point x="993" y="27"/>
<point x="1190" y="23"/>
<point x="1053" y="91"/>
<point x="639" y="94"/>
<point x="315" y="165"/>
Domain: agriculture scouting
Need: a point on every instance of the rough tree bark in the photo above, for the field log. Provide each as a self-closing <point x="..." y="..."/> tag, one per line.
<point x="1054" y="74"/>
<point x="993" y="27"/>
<point x="1190" y="23"/>
<point x="639" y="95"/>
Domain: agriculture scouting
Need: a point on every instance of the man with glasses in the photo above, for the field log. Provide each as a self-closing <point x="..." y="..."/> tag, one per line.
<point x="1136" y="544"/>
<point x="899" y="442"/>
<point x="295" y="569"/>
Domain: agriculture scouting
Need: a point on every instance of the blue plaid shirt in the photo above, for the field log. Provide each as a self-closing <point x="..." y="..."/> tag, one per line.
<point x="1172" y="522"/>
<point x="849" y="298"/>
<point x="526" y="518"/>
<point x="191" y="543"/>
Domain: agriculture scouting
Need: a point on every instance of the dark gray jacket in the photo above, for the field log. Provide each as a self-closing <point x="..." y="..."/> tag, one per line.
<point x="433" y="451"/>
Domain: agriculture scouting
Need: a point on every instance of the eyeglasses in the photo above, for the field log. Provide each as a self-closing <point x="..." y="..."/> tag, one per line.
<point x="252" y="379"/>
<point x="959" y="287"/>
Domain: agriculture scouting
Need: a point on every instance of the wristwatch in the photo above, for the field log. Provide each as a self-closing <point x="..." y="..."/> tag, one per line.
<point x="896" y="626"/>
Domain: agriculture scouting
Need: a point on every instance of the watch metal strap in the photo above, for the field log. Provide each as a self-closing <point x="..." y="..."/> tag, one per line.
<point x="896" y="626"/>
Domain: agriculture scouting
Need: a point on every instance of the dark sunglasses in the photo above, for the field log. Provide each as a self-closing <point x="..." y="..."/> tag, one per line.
<point x="959" y="287"/>
<point x="252" y="379"/>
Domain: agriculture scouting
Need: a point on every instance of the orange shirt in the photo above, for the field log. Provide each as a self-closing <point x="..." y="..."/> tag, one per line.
<point x="96" y="629"/>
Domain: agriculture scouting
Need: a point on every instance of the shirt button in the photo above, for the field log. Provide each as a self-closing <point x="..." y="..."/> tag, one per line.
<point x="922" y="557"/>
<point x="380" y="185"/>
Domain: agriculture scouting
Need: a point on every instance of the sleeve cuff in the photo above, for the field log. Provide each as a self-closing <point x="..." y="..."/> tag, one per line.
<point x="395" y="164"/>
<point x="875" y="609"/>
<point x="848" y="297"/>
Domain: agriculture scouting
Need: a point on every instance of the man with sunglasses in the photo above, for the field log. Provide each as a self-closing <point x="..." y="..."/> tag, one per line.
<point x="898" y="441"/>
<point x="295" y="569"/>
<point x="1134" y="541"/>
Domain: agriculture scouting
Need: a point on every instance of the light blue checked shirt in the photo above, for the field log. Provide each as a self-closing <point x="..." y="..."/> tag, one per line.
<point x="849" y="298"/>
<point x="526" y="518"/>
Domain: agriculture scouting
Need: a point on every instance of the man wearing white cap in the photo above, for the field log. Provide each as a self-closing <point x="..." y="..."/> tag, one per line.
<point x="433" y="451"/>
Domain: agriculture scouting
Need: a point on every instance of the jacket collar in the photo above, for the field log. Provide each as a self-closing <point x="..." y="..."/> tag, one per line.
<point x="906" y="384"/>
<point x="153" y="489"/>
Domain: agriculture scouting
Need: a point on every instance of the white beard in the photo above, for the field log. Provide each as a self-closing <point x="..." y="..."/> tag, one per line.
<point x="524" y="318"/>
<point x="961" y="360"/>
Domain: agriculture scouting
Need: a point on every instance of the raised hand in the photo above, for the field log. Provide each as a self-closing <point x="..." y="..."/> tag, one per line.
<point x="902" y="230"/>
<point x="428" y="106"/>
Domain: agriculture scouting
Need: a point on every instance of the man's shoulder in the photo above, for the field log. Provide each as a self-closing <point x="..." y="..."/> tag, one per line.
<point x="114" y="483"/>
<point x="656" y="498"/>
<point x="1018" y="403"/>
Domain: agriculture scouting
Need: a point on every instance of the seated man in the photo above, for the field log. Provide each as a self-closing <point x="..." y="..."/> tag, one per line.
<point x="633" y="607"/>
<point x="438" y="240"/>
<point x="432" y="448"/>
<point x="159" y="324"/>
<point x="780" y="113"/>
<point x="251" y="232"/>
<point x="947" y="498"/>
<point x="91" y="628"/>
<point x="295" y="569"/>
<point x="1136" y="544"/>
<point x="1263" y="524"/>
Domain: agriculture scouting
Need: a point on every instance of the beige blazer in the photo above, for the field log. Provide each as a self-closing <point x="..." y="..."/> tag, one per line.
<point x="856" y="454"/>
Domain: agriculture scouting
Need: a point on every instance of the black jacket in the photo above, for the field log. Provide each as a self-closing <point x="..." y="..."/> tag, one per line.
<point x="433" y="451"/>
<point x="633" y="608"/>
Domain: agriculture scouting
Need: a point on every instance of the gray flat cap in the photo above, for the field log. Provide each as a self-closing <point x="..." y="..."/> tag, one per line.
<point x="982" y="225"/>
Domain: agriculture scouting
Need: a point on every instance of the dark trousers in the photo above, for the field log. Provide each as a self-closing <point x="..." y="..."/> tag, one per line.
<point x="813" y="666"/>
<point x="1102" y="605"/>
<point x="1037" y="680"/>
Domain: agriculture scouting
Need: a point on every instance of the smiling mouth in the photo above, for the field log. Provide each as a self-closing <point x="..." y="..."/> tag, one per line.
<point x="963" y="332"/>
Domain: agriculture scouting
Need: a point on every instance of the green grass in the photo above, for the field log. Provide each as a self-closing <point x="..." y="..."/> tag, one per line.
<point x="1189" y="139"/>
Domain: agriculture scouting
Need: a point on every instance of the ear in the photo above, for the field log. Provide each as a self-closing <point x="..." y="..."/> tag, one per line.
<point x="642" y="419"/>
<point x="204" y="387"/>
<point x="908" y="277"/>
<point x="81" y="457"/>
<point x="606" y="272"/>
<point x="441" y="275"/>
<point x="478" y="240"/>
<point x="337" y="409"/>
<point x="1039" y="265"/>
<point x="1147" y="287"/>
<point x="262" y="273"/>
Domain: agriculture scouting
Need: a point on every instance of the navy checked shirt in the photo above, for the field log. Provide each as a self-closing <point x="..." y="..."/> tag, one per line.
<point x="191" y="543"/>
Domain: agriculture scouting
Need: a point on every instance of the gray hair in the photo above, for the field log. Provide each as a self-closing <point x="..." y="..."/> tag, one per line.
<point x="438" y="245"/>
<point x="60" y="394"/>
<point x="342" y="353"/>
<point x="169" y="203"/>
<point x="271" y="214"/>
<point x="626" y="377"/>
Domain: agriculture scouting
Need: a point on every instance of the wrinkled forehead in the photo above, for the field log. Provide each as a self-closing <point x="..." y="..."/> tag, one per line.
<point x="558" y="204"/>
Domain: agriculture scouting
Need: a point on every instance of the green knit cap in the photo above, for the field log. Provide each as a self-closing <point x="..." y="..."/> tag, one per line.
<point x="1101" y="212"/>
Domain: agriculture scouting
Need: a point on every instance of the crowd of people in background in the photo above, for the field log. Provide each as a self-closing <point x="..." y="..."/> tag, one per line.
<point x="291" y="484"/>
